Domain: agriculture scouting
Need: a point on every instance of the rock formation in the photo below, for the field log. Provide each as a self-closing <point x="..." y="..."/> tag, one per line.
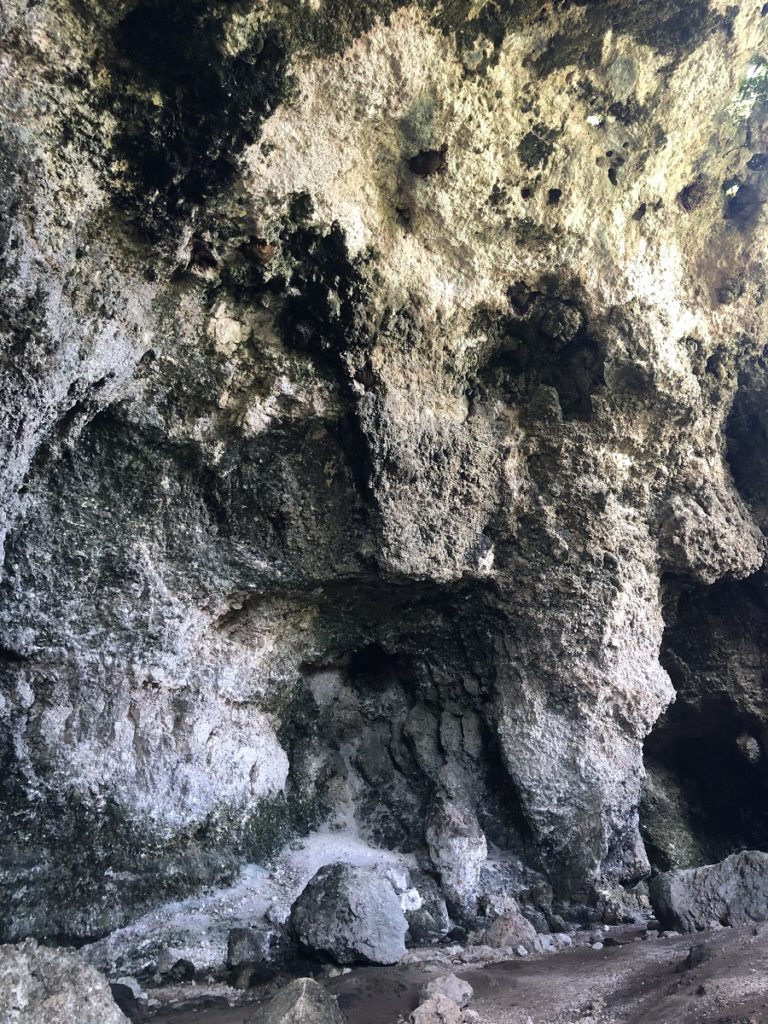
<point x="351" y="915"/>
<point x="52" y="986"/>
<point x="730" y="893"/>
<point x="384" y="441"/>
<point x="301" y="1002"/>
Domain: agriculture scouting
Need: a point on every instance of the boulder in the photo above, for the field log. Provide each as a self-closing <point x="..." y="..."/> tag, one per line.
<point x="52" y="986"/>
<point x="352" y="915"/>
<point x="129" y="995"/>
<point x="449" y="985"/>
<point x="511" y="929"/>
<point x="301" y="1002"/>
<point x="439" y="1009"/>
<point x="733" y="892"/>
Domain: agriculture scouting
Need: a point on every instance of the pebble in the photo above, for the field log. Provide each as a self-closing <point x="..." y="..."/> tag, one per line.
<point x="132" y="984"/>
<point x="597" y="945"/>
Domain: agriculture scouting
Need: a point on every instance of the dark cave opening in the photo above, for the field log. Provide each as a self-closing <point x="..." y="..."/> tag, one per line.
<point x="747" y="439"/>
<point x="707" y="789"/>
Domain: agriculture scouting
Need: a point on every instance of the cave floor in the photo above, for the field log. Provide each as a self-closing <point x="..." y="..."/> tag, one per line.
<point x="645" y="981"/>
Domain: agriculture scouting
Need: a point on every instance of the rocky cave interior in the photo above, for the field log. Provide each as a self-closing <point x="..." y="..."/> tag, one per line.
<point x="385" y="465"/>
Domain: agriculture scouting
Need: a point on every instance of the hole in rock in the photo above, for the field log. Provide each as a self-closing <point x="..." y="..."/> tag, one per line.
<point x="692" y="195"/>
<point x="707" y="758"/>
<point x="747" y="451"/>
<point x="742" y="204"/>
<point x="545" y="344"/>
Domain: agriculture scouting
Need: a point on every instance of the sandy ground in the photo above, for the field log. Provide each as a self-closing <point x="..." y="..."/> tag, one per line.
<point x="643" y="981"/>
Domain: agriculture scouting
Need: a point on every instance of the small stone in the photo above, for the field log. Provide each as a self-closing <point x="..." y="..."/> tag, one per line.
<point x="449" y="985"/>
<point x="597" y="945"/>
<point x="439" y="1009"/>
<point x="246" y="945"/>
<point x="133" y="985"/>
<point x="511" y="929"/>
<point x="125" y="997"/>
<point x="521" y="951"/>
<point x="181" y="970"/>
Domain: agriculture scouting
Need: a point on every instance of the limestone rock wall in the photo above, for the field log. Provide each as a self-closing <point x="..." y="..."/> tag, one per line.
<point x="375" y="380"/>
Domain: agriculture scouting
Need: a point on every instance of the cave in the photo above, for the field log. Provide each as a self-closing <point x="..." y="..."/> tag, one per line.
<point x="705" y="757"/>
<point x="383" y="506"/>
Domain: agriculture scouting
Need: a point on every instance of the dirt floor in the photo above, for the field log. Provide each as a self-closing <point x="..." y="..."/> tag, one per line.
<point x="718" y="977"/>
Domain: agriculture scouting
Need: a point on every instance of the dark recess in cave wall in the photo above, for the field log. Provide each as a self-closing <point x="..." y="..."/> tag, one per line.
<point x="711" y="744"/>
<point x="180" y="151"/>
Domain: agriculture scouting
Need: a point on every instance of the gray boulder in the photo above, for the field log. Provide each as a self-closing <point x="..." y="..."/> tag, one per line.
<point x="352" y="915"/>
<point x="735" y="891"/>
<point x="511" y="929"/>
<point x="52" y="986"/>
<point x="438" y="1009"/>
<point x="301" y="1002"/>
<point x="449" y="985"/>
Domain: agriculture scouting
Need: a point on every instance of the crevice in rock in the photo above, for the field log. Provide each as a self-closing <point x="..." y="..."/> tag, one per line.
<point x="747" y="442"/>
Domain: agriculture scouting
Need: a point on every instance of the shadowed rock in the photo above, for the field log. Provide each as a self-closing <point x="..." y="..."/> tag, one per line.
<point x="735" y="891"/>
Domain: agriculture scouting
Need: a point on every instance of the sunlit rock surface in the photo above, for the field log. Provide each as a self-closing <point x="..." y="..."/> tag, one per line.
<point x="377" y="380"/>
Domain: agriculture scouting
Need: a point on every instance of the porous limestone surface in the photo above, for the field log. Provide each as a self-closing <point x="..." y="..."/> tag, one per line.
<point x="378" y="381"/>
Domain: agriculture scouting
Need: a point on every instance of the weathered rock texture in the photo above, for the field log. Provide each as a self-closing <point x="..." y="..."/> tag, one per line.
<point x="377" y="378"/>
<point x="351" y="915"/>
<point x="301" y="1002"/>
<point x="733" y="892"/>
<point x="48" y="986"/>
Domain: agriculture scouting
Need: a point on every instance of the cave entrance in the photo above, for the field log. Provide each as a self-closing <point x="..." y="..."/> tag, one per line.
<point x="707" y="758"/>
